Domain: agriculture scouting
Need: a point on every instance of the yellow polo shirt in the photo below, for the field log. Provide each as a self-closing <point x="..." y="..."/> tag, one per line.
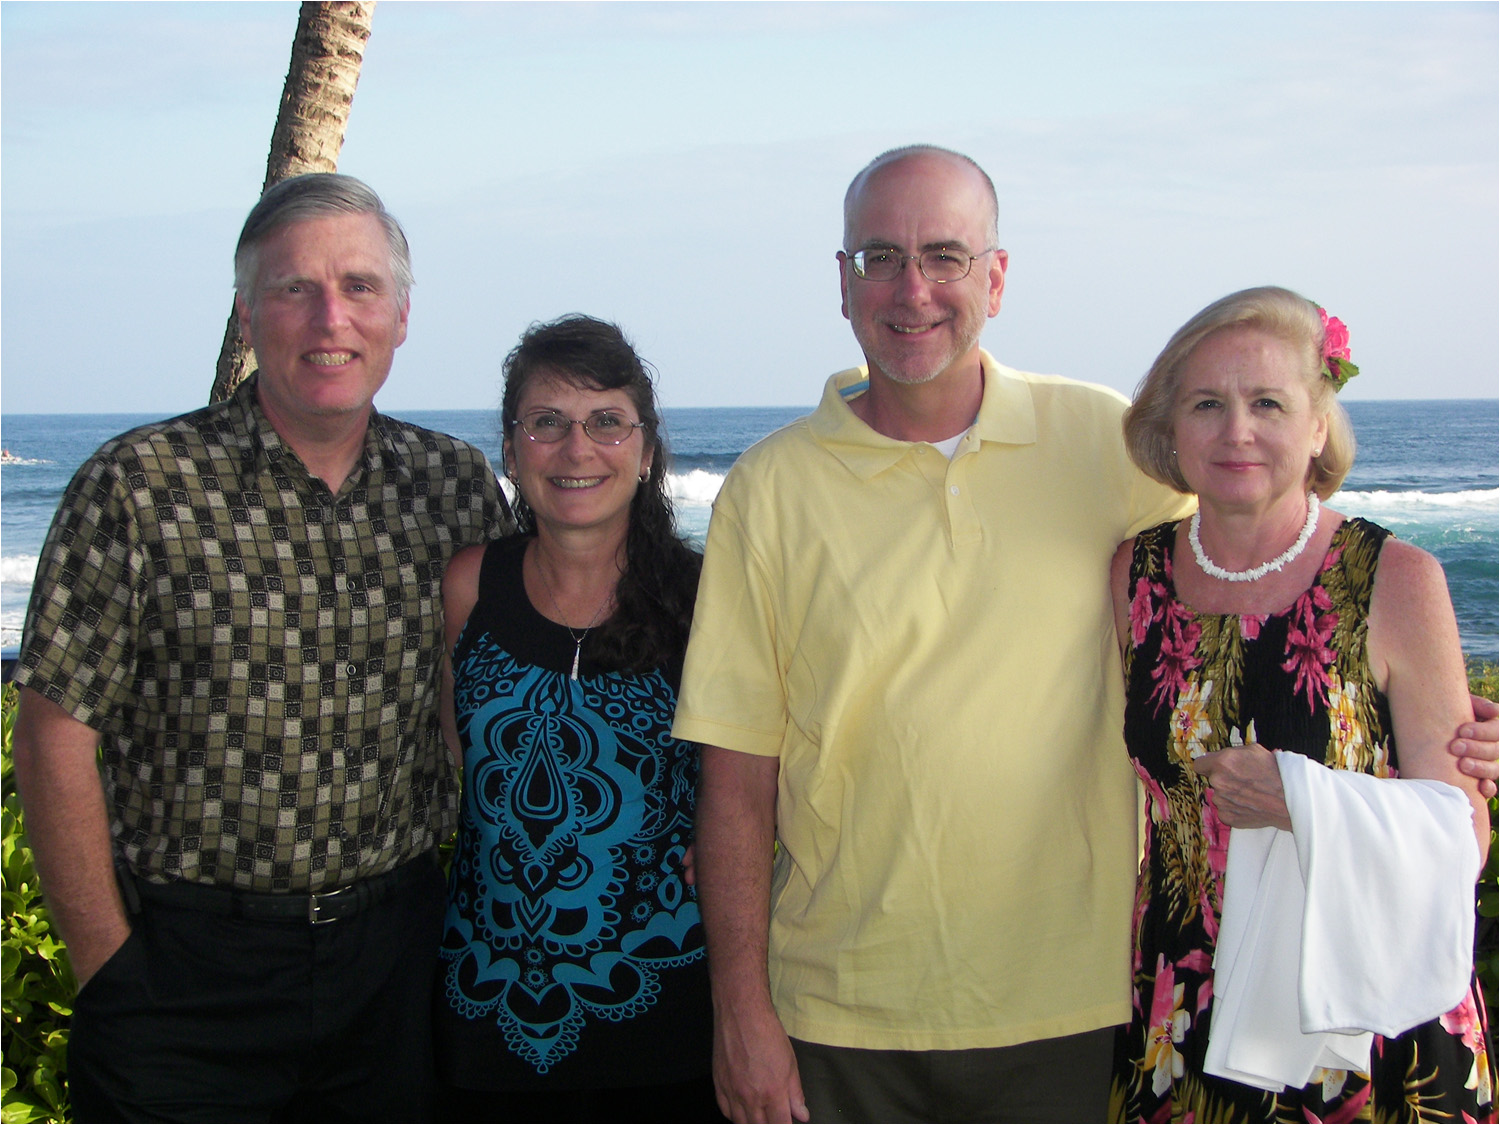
<point x="928" y="647"/>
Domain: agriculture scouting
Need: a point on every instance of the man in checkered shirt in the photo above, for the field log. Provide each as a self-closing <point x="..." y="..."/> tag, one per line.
<point x="242" y="608"/>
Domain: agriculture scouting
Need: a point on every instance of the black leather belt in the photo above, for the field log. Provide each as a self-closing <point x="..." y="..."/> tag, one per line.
<point x="312" y="909"/>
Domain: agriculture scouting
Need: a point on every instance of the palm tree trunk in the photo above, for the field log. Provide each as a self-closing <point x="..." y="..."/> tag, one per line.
<point x="315" y="102"/>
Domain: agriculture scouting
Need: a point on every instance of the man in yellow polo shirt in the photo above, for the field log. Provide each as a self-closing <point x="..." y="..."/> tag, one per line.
<point x="903" y="667"/>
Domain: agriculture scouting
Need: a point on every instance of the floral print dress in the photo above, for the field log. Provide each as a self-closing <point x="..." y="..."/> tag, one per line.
<point x="1296" y="680"/>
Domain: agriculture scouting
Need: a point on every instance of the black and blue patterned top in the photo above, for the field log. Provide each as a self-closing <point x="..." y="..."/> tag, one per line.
<point x="572" y="948"/>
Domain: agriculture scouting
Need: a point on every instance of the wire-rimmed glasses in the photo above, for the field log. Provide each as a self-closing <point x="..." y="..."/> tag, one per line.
<point x="607" y="427"/>
<point x="941" y="264"/>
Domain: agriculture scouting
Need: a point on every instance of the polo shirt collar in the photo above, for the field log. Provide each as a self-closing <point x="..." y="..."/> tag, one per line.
<point x="1007" y="416"/>
<point x="261" y="447"/>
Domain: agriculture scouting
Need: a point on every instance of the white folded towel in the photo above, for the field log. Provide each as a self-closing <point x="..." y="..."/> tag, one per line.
<point x="1359" y="920"/>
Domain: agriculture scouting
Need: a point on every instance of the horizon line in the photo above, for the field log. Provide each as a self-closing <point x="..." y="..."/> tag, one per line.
<point x="400" y="410"/>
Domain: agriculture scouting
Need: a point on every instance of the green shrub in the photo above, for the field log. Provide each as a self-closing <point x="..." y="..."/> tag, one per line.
<point x="38" y="980"/>
<point x="1484" y="678"/>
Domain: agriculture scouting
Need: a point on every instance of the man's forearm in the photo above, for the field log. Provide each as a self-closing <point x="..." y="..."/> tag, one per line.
<point x="755" y="1071"/>
<point x="67" y="826"/>
<point x="735" y="835"/>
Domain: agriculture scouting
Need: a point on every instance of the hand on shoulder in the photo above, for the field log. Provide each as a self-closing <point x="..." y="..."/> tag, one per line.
<point x="1478" y="744"/>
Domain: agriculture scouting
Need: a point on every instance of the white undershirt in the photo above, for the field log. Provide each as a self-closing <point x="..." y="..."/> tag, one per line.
<point x="949" y="446"/>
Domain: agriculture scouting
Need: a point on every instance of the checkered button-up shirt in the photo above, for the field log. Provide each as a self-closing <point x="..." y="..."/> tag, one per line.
<point x="261" y="657"/>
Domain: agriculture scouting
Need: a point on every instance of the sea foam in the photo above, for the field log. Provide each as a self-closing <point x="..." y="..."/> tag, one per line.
<point x="18" y="570"/>
<point x="1387" y="500"/>
<point x="698" y="486"/>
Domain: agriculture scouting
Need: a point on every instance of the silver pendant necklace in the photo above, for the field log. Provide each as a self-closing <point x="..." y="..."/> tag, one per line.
<point x="577" y="637"/>
<point x="1214" y="570"/>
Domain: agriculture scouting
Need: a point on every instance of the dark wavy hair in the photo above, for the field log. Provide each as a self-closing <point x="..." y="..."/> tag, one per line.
<point x="654" y="598"/>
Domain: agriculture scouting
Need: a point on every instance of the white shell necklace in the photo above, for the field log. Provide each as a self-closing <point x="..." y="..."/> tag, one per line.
<point x="576" y="637"/>
<point x="1214" y="570"/>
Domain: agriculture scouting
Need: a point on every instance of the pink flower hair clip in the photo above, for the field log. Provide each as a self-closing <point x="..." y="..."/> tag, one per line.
<point x="1337" y="366"/>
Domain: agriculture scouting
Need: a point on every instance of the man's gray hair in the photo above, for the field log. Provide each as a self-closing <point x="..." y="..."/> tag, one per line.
<point x="317" y="195"/>
<point x="894" y="155"/>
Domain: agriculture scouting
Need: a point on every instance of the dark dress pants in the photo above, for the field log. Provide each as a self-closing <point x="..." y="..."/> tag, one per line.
<point x="205" y="1017"/>
<point x="1064" y="1080"/>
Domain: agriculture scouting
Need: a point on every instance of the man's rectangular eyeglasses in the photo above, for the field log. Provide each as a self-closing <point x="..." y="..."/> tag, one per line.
<point x="603" y="426"/>
<point x="940" y="265"/>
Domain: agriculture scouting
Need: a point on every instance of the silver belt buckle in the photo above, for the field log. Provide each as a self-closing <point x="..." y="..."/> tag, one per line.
<point x="315" y="907"/>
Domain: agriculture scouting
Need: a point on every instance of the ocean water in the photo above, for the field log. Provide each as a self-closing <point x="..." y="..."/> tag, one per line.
<point x="1428" y="470"/>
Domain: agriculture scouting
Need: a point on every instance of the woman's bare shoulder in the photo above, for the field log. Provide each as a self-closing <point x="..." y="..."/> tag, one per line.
<point x="1408" y="577"/>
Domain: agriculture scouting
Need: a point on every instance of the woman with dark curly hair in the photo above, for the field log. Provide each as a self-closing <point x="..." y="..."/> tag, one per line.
<point x="574" y="980"/>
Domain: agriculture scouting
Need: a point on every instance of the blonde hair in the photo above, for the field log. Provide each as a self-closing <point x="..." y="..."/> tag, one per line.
<point x="1279" y="312"/>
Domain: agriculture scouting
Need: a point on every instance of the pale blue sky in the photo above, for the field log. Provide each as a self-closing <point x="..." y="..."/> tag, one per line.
<point x="611" y="158"/>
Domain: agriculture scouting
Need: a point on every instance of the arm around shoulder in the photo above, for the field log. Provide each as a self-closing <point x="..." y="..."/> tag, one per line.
<point x="67" y="824"/>
<point x="1477" y="746"/>
<point x="1153" y="503"/>
<point x="1119" y="592"/>
<point x="1416" y="659"/>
